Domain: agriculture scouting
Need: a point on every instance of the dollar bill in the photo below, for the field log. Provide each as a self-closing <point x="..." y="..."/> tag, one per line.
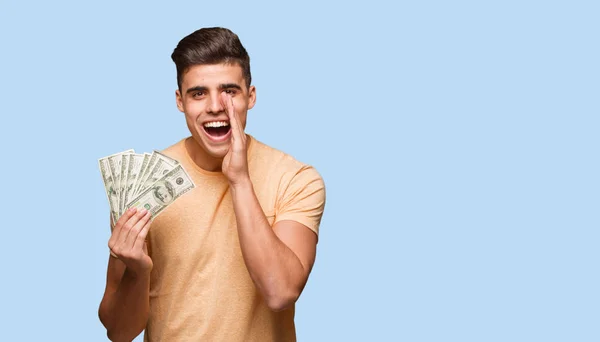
<point x="160" y="169"/>
<point x="155" y="157"/>
<point x="114" y="164"/>
<point x="111" y="193"/>
<point x="163" y="192"/>
<point x="134" y="166"/>
<point x="110" y="186"/>
<point x="123" y="180"/>
<point x="167" y="158"/>
<point x="141" y="173"/>
<point x="152" y="180"/>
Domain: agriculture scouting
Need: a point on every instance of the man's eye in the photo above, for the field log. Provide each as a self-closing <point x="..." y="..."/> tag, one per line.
<point x="230" y="91"/>
<point x="197" y="94"/>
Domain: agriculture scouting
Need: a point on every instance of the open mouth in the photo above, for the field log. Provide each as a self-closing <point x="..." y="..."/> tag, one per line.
<point x="217" y="129"/>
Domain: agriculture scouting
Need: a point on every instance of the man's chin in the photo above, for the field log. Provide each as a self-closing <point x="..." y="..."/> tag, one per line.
<point x="217" y="154"/>
<point x="215" y="150"/>
<point x="219" y="151"/>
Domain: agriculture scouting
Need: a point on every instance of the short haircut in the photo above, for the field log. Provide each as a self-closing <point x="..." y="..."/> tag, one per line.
<point x="211" y="45"/>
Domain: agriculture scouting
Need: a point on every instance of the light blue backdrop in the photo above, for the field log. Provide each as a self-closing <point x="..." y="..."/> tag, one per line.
<point x="458" y="141"/>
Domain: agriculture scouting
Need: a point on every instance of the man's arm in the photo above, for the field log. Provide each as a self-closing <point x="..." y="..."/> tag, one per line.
<point x="125" y="306"/>
<point x="279" y="259"/>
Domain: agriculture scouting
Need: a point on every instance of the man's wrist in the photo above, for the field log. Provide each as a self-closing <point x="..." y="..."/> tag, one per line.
<point x="143" y="273"/>
<point x="243" y="184"/>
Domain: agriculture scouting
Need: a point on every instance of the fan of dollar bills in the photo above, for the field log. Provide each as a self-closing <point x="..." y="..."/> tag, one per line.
<point x="150" y="180"/>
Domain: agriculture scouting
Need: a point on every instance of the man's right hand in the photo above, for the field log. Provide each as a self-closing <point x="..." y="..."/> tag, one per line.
<point x="128" y="239"/>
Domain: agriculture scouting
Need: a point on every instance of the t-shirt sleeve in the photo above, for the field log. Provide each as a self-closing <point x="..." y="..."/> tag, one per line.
<point x="303" y="199"/>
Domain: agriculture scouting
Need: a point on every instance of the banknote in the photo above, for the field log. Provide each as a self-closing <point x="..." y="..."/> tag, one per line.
<point x="114" y="163"/>
<point x="134" y="165"/>
<point x="111" y="192"/>
<point x="110" y="185"/>
<point x="123" y="180"/>
<point x="155" y="157"/>
<point x="163" y="192"/>
<point x="147" y="157"/>
<point x="160" y="169"/>
<point x="128" y="175"/>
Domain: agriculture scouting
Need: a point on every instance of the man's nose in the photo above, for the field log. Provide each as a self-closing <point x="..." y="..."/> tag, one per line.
<point x="214" y="105"/>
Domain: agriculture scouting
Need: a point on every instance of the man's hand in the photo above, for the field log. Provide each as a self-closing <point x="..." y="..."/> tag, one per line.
<point x="128" y="238"/>
<point x="235" y="163"/>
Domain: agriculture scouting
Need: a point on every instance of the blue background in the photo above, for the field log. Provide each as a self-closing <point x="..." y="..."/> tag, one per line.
<point x="458" y="142"/>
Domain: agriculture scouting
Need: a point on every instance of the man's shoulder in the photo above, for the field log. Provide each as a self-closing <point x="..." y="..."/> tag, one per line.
<point x="287" y="188"/>
<point x="274" y="164"/>
<point x="271" y="158"/>
<point x="175" y="150"/>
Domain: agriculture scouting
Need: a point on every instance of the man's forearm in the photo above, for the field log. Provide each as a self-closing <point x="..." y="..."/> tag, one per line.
<point x="274" y="268"/>
<point x="124" y="312"/>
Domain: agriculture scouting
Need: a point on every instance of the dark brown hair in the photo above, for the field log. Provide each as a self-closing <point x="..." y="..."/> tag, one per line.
<point x="211" y="45"/>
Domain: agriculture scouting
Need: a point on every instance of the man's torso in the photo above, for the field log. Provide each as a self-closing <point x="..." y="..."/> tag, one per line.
<point x="200" y="287"/>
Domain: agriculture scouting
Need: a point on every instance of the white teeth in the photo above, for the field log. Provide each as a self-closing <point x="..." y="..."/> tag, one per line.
<point x="216" y="124"/>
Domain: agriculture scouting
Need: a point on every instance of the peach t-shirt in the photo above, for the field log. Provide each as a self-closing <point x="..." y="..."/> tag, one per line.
<point x="200" y="289"/>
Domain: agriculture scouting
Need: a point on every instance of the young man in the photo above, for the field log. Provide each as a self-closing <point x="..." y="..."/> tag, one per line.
<point x="228" y="260"/>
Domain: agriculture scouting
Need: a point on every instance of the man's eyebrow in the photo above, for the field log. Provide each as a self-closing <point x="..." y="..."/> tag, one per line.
<point x="221" y="86"/>
<point x="196" y="88"/>
<point x="230" y="85"/>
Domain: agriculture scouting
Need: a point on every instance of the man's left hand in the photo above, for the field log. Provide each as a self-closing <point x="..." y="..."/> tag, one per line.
<point x="235" y="162"/>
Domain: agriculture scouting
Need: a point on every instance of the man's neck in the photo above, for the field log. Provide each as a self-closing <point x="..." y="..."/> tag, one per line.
<point x="201" y="158"/>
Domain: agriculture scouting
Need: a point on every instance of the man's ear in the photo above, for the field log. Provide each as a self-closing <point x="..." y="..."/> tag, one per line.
<point x="179" y="100"/>
<point x="251" y="97"/>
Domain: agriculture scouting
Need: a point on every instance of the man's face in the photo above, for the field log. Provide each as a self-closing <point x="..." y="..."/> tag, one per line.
<point x="205" y="113"/>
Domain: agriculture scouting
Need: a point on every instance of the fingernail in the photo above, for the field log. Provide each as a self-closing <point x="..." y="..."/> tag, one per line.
<point x="143" y="211"/>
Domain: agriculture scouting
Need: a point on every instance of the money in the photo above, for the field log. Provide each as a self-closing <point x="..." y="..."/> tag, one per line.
<point x="133" y="169"/>
<point x="111" y="185"/>
<point x="165" y="164"/>
<point x="152" y="181"/>
<point x="163" y="192"/>
<point x="122" y="179"/>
